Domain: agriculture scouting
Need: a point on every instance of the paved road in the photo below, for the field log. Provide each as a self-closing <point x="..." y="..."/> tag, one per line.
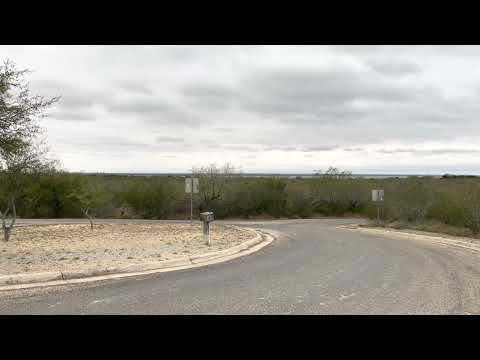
<point x="313" y="268"/>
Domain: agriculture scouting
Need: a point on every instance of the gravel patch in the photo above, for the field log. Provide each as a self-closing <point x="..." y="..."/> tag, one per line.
<point x="66" y="247"/>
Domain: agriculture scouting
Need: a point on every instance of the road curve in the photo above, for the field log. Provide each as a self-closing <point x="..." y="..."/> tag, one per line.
<point x="312" y="268"/>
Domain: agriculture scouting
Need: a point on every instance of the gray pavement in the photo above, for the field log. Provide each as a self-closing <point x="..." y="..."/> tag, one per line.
<point x="312" y="268"/>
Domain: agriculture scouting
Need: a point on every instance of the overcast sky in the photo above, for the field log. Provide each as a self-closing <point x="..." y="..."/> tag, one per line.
<point x="371" y="109"/>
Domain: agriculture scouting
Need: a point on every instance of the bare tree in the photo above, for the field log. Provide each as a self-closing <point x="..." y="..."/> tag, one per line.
<point x="212" y="182"/>
<point x="333" y="173"/>
<point x="20" y="152"/>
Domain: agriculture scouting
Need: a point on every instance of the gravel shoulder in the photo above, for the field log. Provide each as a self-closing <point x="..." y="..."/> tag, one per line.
<point x="466" y="243"/>
<point x="64" y="247"/>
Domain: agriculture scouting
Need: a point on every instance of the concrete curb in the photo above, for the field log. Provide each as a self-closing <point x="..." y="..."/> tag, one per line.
<point x="53" y="278"/>
<point x="405" y="234"/>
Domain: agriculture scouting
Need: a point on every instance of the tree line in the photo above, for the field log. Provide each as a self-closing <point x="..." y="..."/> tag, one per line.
<point x="413" y="201"/>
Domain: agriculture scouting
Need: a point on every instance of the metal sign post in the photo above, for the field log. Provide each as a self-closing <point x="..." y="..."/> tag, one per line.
<point x="377" y="197"/>
<point x="191" y="187"/>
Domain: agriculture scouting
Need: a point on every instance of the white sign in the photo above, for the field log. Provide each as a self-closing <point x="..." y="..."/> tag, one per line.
<point x="377" y="195"/>
<point x="189" y="183"/>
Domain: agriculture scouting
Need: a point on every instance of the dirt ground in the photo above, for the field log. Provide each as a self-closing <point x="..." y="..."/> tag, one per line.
<point x="60" y="247"/>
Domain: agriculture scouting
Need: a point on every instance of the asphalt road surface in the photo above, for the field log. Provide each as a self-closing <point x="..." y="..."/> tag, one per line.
<point x="312" y="268"/>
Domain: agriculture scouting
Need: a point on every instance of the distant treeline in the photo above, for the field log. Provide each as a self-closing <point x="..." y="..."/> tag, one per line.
<point x="450" y="201"/>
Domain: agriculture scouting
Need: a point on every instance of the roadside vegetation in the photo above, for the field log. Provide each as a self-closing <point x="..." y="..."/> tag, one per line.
<point x="450" y="205"/>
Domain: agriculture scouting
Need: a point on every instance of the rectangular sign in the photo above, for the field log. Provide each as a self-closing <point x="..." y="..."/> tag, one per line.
<point x="377" y="195"/>
<point x="188" y="185"/>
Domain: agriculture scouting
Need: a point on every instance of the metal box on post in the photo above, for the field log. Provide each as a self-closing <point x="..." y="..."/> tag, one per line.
<point x="207" y="218"/>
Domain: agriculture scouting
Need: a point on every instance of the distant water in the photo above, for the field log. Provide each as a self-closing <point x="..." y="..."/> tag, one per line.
<point x="302" y="175"/>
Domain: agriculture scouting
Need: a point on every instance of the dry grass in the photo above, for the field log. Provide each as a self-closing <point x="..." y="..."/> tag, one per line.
<point x="62" y="247"/>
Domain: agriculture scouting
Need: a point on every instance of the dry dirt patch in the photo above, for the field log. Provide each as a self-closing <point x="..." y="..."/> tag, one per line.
<point x="66" y="247"/>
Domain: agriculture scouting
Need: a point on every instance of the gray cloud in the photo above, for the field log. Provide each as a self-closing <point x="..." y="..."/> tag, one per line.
<point x="318" y="96"/>
<point x="210" y="96"/>
<point x="442" y="151"/>
<point x="142" y="107"/>
<point x="169" y="139"/>
<point x="353" y="149"/>
<point x="258" y="147"/>
<point x="74" y="116"/>
<point x="303" y="148"/>
<point x="136" y="87"/>
<point x="72" y="97"/>
<point x="108" y="144"/>
<point x="222" y="130"/>
<point x="395" y="151"/>
<point x="75" y="104"/>
<point x="395" y="68"/>
<point x="154" y="111"/>
<point x="260" y="100"/>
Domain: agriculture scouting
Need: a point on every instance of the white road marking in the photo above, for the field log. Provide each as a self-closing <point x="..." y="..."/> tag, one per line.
<point x="96" y="302"/>
<point x="343" y="297"/>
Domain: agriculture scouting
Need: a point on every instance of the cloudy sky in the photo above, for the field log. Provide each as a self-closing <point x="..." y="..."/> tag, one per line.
<point x="367" y="109"/>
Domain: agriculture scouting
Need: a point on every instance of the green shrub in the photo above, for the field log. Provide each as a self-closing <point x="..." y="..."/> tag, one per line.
<point x="150" y="200"/>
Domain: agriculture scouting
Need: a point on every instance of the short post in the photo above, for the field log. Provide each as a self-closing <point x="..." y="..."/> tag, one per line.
<point x="206" y="232"/>
<point x="207" y="218"/>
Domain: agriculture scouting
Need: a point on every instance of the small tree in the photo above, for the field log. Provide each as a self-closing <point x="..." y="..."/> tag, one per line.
<point x="20" y="155"/>
<point x="89" y="196"/>
<point x="328" y="191"/>
<point x="15" y="169"/>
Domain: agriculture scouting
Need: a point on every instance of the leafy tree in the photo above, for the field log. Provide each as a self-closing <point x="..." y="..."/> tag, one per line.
<point x="20" y="152"/>
<point x="17" y="169"/>
<point x="90" y="196"/>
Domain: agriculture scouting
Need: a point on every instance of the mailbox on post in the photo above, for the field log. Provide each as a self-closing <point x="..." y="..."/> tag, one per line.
<point x="207" y="218"/>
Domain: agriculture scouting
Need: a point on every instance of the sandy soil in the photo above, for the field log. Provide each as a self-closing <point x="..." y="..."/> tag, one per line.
<point x="61" y="247"/>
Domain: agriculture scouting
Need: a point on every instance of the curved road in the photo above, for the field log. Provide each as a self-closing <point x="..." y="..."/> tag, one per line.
<point x="312" y="268"/>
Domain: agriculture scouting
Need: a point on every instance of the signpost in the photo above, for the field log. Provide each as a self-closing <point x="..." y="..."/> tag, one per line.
<point x="377" y="197"/>
<point x="191" y="187"/>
